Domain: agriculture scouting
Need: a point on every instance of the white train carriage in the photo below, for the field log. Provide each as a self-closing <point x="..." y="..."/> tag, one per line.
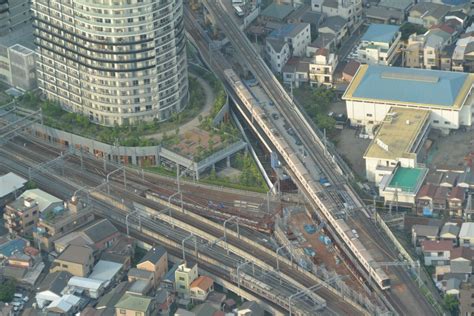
<point x="312" y="186"/>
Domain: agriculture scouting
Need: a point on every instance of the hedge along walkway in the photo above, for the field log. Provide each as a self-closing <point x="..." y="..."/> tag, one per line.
<point x="206" y="110"/>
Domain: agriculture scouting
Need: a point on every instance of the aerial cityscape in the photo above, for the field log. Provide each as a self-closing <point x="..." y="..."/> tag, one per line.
<point x="236" y="157"/>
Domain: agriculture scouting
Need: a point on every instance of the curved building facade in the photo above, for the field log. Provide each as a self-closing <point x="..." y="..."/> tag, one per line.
<point x="115" y="61"/>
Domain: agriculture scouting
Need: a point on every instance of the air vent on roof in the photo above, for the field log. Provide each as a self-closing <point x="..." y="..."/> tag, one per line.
<point x="411" y="77"/>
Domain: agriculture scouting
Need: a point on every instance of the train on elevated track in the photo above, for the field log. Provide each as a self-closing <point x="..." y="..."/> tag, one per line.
<point x="313" y="187"/>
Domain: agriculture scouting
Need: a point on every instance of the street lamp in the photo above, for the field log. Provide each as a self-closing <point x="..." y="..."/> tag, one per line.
<point x="182" y="245"/>
<point x="139" y="220"/>
<point x="225" y="230"/>
<point x="114" y="171"/>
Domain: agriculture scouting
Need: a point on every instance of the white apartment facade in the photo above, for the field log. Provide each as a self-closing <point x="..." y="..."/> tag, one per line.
<point x="379" y="45"/>
<point x="322" y="67"/>
<point x="115" y="61"/>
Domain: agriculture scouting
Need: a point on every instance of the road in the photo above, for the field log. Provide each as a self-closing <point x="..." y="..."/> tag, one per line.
<point x="404" y="302"/>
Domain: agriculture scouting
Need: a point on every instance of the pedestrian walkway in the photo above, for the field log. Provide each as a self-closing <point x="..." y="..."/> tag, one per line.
<point x="206" y="110"/>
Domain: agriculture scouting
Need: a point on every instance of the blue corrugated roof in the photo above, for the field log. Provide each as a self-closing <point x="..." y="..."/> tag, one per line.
<point x="454" y="2"/>
<point x="380" y="33"/>
<point x="8" y="248"/>
<point x="410" y="85"/>
<point x="283" y="31"/>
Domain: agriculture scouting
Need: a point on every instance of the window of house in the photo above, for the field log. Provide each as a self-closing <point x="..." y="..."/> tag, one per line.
<point x="440" y="254"/>
<point x="181" y="278"/>
<point x="138" y="314"/>
<point x="122" y="311"/>
<point x="436" y="121"/>
<point x="182" y="286"/>
<point x="446" y="122"/>
<point x="369" y="115"/>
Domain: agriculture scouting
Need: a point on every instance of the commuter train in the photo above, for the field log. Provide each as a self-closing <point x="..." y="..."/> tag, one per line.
<point x="312" y="186"/>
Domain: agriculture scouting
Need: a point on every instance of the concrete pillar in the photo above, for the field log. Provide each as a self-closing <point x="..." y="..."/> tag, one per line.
<point x="228" y="161"/>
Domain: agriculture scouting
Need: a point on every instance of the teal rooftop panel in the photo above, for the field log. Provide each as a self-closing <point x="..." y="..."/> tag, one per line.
<point x="382" y="33"/>
<point x="409" y="85"/>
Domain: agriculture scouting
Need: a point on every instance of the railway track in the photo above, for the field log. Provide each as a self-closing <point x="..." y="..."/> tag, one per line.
<point x="398" y="300"/>
<point x="340" y="306"/>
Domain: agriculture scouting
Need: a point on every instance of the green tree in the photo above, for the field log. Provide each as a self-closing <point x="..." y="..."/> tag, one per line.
<point x="451" y="304"/>
<point x="408" y="29"/>
<point x="7" y="290"/>
<point x="30" y="185"/>
<point x="325" y="122"/>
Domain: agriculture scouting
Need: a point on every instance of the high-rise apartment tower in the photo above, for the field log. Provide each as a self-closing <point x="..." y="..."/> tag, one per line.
<point x="116" y="61"/>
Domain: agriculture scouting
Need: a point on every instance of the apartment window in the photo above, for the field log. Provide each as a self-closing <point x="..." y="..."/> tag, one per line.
<point x="181" y="278"/>
<point x="369" y="115"/>
<point x="436" y="121"/>
<point x="371" y="122"/>
<point x="446" y="123"/>
<point x="182" y="286"/>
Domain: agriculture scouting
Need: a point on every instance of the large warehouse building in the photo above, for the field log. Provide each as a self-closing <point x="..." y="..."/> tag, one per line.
<point x="375" y="89"/>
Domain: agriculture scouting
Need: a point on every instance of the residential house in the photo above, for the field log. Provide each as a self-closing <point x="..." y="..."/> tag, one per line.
<point x="147" y="278"/>
<point x="436" y="252"/>
<point x="134" y="305"/>
<point x="156" y="261"/>
<point x="102" y="234"/>
<point x="450" y="231"/>
<point x="217" y="299"/>
<point x="250" y="308"/>
<point x="450" y="179"/>
<point x="51" y="288"/>
<point x="466" y="235"/>
<point x="121" y="251"/>
<point x="349" y="10"/>
<point x="322" y="67"/>
<point x="456" y="200"/>
<point x="277" y="52"/>
<point x="21" y="216"/>
<point x="384" y="15"/>
<point x="106" y="303"/>
<point x="186" y="273"/>
<point x="92" y="288"/>
<point x="379" y="44"/>
<point x="66" y="305"/>
<point x="276" y="12"/>
<point x="466" y="179"/>
<point x="440" y="200"/>
<point x="458" y="16"/>
<point x="462" y="261"/>
<point x="454" y="5"/>
<point x="169" y="280"/>
<point x="164" y="302"/>
<point x="297" y="35"/>
<point x="421" y="233"/>
<point x="463" y="54"/>
<point x="44" y="200"/>
<point x="336" y="26"/>
<point x="201" y="287"/>
<point x="10" y="186"/>
<point x="77" y="260"/>
<point x="403" y="6"/>
<point x="466" y="293"/>
<point x="295" y="72"/>
<point x="205" y="309"/>
<point x="451" y="286"/>
<point x="428" y="14"/>
<point x="107" y="271"/>
<point x="350" y="70"/>
<point x="54" y="225"/>
<point x="324" y="40"/>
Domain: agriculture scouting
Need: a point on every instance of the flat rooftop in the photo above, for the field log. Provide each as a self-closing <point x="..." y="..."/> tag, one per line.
<point x="410" y="86"/>
<point x="407" y="179"/>
<point x="380" y="33"/>
<point x="397" y="134"/>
